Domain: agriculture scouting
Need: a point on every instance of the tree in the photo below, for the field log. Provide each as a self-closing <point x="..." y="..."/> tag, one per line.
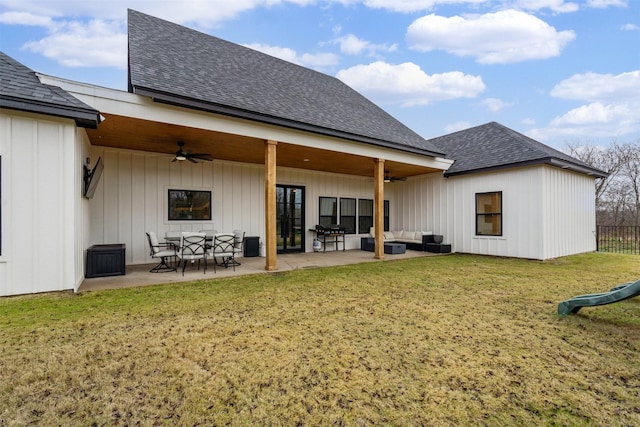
<point x="618" y="195"/>
<point x="631" y="170"/>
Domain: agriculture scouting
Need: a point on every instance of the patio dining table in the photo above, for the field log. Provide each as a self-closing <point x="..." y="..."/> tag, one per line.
<point x="175" y="240"/>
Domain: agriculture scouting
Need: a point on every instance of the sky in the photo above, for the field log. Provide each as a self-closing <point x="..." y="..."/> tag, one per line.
<point x="560" y="71"/>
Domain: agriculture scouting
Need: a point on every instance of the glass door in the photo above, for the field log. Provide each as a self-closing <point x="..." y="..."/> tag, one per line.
<point x="290" y="218"/>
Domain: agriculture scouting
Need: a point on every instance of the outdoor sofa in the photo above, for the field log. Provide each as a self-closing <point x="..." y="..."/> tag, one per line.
<point x="414" y="240"/>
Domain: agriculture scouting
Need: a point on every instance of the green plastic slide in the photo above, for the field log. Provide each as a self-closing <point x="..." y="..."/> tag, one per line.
<point x="619" y="293"/>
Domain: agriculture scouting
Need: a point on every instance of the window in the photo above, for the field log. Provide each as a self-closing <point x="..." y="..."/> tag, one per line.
<point x="348" y="215"/>
<point x="489" y="214"/>
<point x="365" y="215"/>
<point x="328" y="211"/>
<point x="188" y="205"/>
<point x="386" y="215"/>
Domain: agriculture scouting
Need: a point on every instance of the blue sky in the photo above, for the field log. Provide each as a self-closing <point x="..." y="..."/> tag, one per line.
<point x="559" y="71"/>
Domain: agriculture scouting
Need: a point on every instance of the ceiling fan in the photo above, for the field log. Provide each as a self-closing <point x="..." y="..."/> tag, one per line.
<point x="181" y="155"/>
<point x="388" y="178"/>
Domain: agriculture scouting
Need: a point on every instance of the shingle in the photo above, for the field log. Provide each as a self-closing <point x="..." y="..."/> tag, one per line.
<point x="494" y="146"/>
<point x="167" y="58"/>
<point x="21" y="89"/>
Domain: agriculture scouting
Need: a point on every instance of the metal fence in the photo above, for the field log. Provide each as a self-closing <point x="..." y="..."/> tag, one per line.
<point x="624" y="239"/>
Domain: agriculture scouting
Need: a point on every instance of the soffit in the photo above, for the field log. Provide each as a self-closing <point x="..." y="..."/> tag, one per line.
<point x="157" y="137"/>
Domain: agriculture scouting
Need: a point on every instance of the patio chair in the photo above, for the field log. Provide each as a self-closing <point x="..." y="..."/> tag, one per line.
<point x="223" y="249"/>
<point x="210" y="233"/>
<point x="192" y="248"/>
<point x="238" y="246"/>
<point x="164" y="251"/>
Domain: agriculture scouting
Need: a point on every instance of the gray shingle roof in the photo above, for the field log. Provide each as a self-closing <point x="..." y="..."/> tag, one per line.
<point x="20" y="89"/>
<point x="178" y="65"/>
<point x="493" y="146"/>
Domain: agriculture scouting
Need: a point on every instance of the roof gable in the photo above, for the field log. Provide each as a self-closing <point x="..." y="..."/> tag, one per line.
<point x="20" y="89"/>
<point x="178" y="65"/>
<point x="494" y="146"/>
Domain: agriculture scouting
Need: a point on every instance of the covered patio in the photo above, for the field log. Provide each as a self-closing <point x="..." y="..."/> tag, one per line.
<point x="139" y="275"/>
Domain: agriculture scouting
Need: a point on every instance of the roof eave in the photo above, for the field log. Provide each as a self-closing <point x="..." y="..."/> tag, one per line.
<point x="552" y="161"/>
<point x="84" y="117"/>
<point x="172" y="99"/>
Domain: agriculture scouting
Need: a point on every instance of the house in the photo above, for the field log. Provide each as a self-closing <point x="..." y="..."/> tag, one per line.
<point x="289" y="148"/>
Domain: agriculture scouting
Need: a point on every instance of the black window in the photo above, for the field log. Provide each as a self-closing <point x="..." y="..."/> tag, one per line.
<point x="328" y="211"/>
<point x="489" y="214"/>
<point x="188" y="205"/>
<point x="365" y="215"/>
<point x="386" y="215"/>
<point x="348" y="214"/>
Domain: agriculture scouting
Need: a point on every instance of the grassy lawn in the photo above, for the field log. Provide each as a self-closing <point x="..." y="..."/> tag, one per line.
<point x="452" y="340"/>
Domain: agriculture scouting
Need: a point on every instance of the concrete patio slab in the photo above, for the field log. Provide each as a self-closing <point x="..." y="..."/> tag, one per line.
<point x="139" y="275"/>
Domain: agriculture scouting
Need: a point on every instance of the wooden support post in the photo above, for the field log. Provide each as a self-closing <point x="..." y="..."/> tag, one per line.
<point x="270" y="205"/>
<point x="378" y="207"/>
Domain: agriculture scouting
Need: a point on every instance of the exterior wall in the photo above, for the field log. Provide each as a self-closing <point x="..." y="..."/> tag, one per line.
<point x="40" y="203"/>
<point x="569" y="213"/>
<point x="547" y="212"/>
<point x="132" y="197"/>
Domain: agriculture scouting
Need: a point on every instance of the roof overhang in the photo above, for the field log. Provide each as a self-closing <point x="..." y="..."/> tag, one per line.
<point x="135" y="122"/>
<point x="177" y="100"/>
<point x="84" y="117"/>
<point x="551" y="161"/>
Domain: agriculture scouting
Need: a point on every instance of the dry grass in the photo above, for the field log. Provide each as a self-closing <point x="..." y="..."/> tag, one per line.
<point x="455" y="340"/>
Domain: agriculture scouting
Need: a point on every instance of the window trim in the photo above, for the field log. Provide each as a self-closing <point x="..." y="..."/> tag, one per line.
<point x="498" y="214"/>
<point x="354" y="217"/>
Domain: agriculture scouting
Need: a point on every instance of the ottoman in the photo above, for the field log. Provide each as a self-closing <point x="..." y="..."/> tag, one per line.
<point x="394" y="248"/>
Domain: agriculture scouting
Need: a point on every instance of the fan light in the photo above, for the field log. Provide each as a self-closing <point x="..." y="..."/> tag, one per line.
<point x="181" y="157"/>
<point x="386" y="177"/>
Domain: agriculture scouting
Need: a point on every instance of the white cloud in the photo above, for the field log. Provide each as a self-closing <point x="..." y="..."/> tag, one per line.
<point x="316" y="60"/>
<point x="528" y="121"/>
<point x="593" y="113"/>
<point x="455" y="127"/>
<point x="202" y="13"/>
<point x="611" y="109"/>
<point x="495" y="38"/>
<point x="94" y="44"/>
<point x="407" y="6"/>
<point x="494" y="104"/>
<point x="406" y="84"/>
<point x="630" y="27"/>
<point x="26" y="18"/>
<point x="603" y="4"/>
<point x="558" y="6"/>
<point x="600" y="87"/>
<point x="352" y="45"/>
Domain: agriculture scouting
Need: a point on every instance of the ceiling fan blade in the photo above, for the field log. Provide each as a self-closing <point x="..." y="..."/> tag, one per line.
<point x="191" y="159"/>
<point x="201" y="157"/>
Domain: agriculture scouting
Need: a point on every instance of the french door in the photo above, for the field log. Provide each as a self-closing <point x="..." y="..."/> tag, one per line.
<point x="290" y="218"/>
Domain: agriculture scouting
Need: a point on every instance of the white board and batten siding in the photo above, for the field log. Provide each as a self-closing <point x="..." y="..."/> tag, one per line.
<point x="131" y="199"/>
<point x="547" y="212"/>
<point x="42" y="205"/>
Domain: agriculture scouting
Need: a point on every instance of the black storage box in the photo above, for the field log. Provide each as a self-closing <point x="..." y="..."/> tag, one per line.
<point x="251" y="246"/>
<point x="105" y="260"/>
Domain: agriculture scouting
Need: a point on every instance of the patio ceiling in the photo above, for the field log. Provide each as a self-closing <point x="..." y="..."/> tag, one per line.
<point x="157" y="137"/>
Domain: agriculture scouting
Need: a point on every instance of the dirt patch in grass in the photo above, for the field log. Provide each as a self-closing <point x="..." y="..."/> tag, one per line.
<point x="453" y="340"/>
